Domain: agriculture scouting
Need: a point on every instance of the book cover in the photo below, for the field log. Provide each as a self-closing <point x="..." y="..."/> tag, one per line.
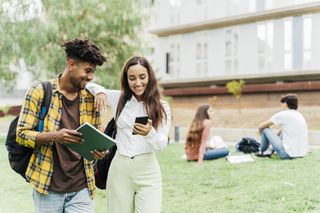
<point x="93" y="140"/>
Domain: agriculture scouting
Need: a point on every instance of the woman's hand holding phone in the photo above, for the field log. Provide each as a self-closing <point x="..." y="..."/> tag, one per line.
<point x="142" y="126"/>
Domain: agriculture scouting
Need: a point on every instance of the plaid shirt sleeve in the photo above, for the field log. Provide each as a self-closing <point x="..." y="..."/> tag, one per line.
<point x="39" y="174"/>
<point x="29" y="116"/>
<point x="95" y="120"/>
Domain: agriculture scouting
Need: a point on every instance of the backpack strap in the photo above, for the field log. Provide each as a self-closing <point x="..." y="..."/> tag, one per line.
<point x="47" y="89"/>
<point x="123" y="101"/>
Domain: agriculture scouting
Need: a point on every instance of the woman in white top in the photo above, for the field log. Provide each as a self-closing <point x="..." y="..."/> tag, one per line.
<point x="134" y="181"/>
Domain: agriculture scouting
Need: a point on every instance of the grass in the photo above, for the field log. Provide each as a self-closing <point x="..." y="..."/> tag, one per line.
<point x="6" y="119"/>
<point x="266" y="185"/>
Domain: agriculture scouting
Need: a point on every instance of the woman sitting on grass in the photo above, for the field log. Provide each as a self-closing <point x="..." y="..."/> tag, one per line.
<point x="199" y="145"/>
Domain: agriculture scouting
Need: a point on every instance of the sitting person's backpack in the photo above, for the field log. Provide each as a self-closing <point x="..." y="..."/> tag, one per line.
<point x="19" y="156"/>
<point x="248" y="145"/>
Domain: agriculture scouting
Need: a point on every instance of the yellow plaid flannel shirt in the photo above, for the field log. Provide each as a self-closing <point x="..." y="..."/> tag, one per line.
<point x="40" y="168"/>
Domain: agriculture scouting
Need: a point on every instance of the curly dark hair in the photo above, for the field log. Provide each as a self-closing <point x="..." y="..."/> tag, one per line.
<point x="83" y="50"/>
<point x="291" y="100"/>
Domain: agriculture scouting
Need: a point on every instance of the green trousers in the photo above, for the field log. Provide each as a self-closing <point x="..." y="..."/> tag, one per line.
<point x="134" y="184"/>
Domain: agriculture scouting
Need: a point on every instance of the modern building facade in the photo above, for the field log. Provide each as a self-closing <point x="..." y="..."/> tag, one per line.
<point x="271" y="44"/>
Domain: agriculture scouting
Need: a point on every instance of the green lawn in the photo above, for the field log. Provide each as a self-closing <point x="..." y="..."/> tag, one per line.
<point x="266" y="185"/>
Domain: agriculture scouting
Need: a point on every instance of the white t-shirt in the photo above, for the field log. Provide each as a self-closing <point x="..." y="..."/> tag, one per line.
<point x="294" y="131"/>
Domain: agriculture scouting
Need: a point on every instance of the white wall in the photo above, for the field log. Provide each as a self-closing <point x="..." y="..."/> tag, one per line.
<point x="315" y="57"/>
<point x="247" y="50"/>
<point x="190" y="12"/>
<point x="216" y="53"/>
<point x="175" y="12"/>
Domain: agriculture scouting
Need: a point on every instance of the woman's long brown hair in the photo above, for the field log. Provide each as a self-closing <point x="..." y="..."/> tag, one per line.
<point x="196" y="128"/>
<point x="150" y="97"/>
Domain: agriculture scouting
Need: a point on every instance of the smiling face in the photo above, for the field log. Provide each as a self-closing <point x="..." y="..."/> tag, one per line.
<point x="82" y="73"/>
<point x="138" y="79"/>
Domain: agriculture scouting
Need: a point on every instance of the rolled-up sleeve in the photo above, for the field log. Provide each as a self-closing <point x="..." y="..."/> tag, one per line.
<point x="112" y="95"/>
<point x="95" y="88"/>
<point x="158" y="138"/>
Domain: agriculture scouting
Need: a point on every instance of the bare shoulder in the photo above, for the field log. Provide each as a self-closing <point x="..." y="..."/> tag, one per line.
<point x="207" y="122"/>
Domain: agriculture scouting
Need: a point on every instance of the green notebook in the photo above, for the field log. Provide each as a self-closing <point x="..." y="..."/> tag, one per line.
<point x="93" y="140"/>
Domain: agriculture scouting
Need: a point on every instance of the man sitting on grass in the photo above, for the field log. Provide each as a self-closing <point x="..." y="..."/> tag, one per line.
<point x="292" y="140"/>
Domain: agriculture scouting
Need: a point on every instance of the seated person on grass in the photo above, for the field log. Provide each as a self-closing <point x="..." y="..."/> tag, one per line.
<point x="292" y="140"/>
<point x="199" y="145"/>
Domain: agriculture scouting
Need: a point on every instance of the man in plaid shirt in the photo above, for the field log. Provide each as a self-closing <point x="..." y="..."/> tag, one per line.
<point x="62" y="180"/>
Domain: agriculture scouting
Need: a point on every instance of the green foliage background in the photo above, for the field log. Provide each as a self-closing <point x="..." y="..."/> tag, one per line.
<point x="235" y="87"/>
<point x="115" y="26"/>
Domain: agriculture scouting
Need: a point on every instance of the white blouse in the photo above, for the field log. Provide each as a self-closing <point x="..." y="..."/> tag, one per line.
<point x="127" y="143"/>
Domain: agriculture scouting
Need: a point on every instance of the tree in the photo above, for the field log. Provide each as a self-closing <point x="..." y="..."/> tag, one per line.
<point x="235" y="88"/>
<point x="213" y="101"/>
<point x="115" y="26"/>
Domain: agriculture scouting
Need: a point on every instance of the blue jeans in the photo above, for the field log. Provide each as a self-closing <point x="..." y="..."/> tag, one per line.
<point x="268" y="136"/>
<point x="54" y="202"/>
<point x="211" y="154"/>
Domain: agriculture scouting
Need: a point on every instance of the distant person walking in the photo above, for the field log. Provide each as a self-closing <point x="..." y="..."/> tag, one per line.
<point x="200" y="145"/>
<point x="292" y="139"/>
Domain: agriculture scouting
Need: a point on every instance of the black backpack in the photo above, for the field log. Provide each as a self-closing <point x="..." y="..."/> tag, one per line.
<point x="19" y="156"/>
<point x="248" y="145"/>
<point x="101" y="167"/>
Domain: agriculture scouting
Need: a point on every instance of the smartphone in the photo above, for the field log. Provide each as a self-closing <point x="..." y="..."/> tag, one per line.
<point x="142" y="120"/>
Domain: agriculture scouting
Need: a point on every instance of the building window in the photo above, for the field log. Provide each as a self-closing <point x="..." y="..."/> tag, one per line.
<point x="174" y="12"/>
<point x="171" y="60"/>
<point x="174" y="60"/>
<point x="288" y="44"/>
<point x="263" y="5"/>
<point x="265" y="45"/>
<point x="307" y="39"/>
<point x="202" y="59"/>
<point x="232" y="7"/>
<point x="175" y="3"/>
<point x="167" y="62"/>
<point x="302" y="1"/>
<point x="252" y="6"/>
<point x="231" y="51"/>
